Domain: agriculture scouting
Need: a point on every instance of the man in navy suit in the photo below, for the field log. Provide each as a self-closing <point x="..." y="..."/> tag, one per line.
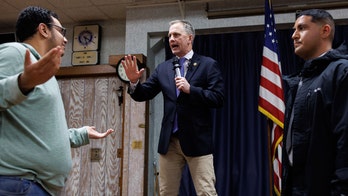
<point x="186" y="133"/>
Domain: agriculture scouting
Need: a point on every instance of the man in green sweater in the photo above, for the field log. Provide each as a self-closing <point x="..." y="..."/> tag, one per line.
<point x="35" y="157"/>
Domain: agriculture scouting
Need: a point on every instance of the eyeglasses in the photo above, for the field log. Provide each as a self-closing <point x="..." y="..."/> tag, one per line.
<point x="61" y="30"/>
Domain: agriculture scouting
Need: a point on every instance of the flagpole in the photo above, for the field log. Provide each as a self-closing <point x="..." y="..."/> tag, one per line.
<point x="271" y="97"/>
<point x="270" y="162"/>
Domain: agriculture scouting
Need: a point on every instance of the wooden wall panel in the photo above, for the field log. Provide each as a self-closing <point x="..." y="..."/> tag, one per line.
<point x="75" y="119"/>
<point x="93" y="101"/>
<point x="88" y="119"/>
<point x="112" y="163"/>
<point x="134" y="137"/>
<point x="98" y="168"/>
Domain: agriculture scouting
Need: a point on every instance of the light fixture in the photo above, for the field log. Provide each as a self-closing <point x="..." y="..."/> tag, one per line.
<point x="120" y="95"/>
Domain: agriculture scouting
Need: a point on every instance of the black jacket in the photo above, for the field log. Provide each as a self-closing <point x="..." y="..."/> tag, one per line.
<point x="194" y="110"/>
<point x="320" y="127"/>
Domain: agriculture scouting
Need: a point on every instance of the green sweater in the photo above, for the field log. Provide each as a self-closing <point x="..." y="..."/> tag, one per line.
<point x="34" y="139"/>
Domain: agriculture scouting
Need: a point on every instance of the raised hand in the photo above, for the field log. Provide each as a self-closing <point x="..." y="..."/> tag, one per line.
<point x="131" y="68"/>
<point x="40" y="71"/>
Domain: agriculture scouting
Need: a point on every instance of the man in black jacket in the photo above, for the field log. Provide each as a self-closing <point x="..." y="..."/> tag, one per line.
<point x="315" y="150"/>
<point x="186" y="132"/>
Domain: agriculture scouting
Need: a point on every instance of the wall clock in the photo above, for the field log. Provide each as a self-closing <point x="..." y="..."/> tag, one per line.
<point x="121" y="73"/>
<point x="86" y="37"/>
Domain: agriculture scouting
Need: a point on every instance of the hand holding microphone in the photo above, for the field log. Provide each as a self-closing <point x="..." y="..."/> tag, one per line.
<point x="177" y="67"/>
<point x="180" y="81"/>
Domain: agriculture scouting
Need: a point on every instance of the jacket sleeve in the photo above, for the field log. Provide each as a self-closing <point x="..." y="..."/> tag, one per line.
<point x="146" y="90"/>
<point x="78" y="137"/>
<point x="10" y="93"/>
<point x="340" y="128"/>
<point x="11" y="65"/>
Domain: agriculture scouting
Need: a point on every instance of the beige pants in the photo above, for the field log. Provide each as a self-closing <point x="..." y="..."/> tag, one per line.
<point x="171" y="166"/>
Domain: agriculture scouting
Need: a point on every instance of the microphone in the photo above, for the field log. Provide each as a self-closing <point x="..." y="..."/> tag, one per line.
<point x="177" y="67"/>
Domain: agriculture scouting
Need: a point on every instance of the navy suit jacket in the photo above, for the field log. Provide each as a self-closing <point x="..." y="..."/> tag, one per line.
<point x="194" y="110"/>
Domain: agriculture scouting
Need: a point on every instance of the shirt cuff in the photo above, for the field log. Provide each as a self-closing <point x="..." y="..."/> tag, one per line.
<point x="132" y="86"/>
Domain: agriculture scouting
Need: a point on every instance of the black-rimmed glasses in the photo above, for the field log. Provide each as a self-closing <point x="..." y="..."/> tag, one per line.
<point x="61" y="30"/>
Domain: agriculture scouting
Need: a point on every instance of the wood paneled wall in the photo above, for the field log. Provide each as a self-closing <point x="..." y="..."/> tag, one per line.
<point x="92" y="100"/>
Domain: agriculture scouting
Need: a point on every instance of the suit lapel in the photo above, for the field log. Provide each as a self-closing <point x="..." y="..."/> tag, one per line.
<point x="171" y="74"/>
<point x="192" y="67"/>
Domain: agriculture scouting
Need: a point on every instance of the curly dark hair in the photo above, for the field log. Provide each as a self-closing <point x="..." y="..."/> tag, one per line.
<point x="30" y="18"/>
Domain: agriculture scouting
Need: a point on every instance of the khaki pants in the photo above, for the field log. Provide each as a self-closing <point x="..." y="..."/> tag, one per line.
<point x="171" y="166"/>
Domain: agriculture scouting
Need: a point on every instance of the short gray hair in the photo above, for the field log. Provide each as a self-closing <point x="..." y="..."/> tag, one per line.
<point x="187" y="26"/>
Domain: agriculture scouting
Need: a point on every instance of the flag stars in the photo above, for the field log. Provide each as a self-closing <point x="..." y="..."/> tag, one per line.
<point x="277" y="133"/>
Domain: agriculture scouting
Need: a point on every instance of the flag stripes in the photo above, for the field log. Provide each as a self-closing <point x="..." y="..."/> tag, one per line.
<point x="277" y="136"/>
<point x="271" y="96"/>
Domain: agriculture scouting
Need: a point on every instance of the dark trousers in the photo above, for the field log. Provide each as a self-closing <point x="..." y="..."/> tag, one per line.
<point x="12" y="185"/>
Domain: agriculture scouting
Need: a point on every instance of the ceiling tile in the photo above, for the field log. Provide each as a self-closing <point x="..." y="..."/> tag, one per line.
<point x="7" y="8"/>
<point x="78" y="11"/>
<point x="70" y="3"/>
<point x="114" y="11"/>
<point x="111" y="2"/>
<point x="20" y="4"/>
<point x="84" y="14"/>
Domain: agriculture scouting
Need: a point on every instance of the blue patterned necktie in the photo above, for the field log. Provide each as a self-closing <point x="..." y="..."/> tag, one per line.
<point x="182" y="67"/>
<point x="182" y="70"/>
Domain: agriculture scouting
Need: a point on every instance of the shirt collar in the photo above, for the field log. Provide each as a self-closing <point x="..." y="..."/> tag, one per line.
<point x="189" y="55"/>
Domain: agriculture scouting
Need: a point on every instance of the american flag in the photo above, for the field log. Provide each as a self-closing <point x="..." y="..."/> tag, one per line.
<point x="271" y="96"/>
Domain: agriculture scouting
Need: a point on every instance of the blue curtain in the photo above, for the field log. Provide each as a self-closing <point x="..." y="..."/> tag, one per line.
<point x="241" y="158"/>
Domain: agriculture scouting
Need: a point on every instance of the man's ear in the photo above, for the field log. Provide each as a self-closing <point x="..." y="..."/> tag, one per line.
<point x="43" y="30"/>
<point x="326" y="30"/>
<point x="191" y="38"/>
